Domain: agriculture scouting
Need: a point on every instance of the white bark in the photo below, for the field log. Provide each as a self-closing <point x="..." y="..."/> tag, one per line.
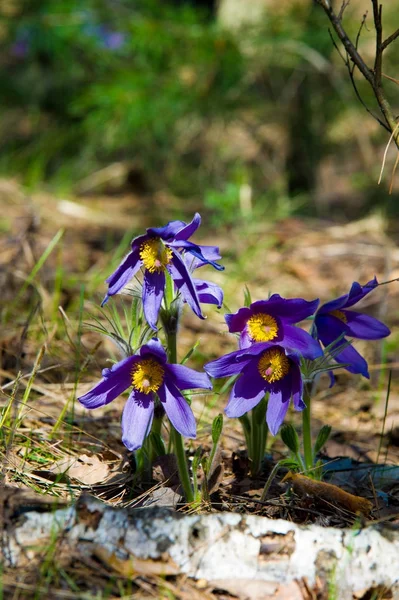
<point x="225" y="548"/>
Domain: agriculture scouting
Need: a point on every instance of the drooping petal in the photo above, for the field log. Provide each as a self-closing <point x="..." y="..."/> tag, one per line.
<point x="114" y="382"/>
<point x="298" y="339"/>
<point x="137" y="419"/>
<point x="356" y="361"/>
<point x="184" y="283"/>
<point x="291" y="310"/>
<point x="364" y="327"/>
<point x="210" y="253"/>
<point x="154" y="347"/>
<point x="195" y="250"/>
<point x="208" y="292"/>
<point x="185" y="378"/>
<point x="153" y="291"/>
<point x="178" y="410"/>
<point x="123" y="274"/>
<point x="276" y="411"/>
<point x="247" y="391"/>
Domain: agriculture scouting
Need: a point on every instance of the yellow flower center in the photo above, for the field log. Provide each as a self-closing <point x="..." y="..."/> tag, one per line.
<point x="147" y="376"/>
<point x="273" y="365"/>
<point x="339" y="315"/>
<point x="155" y="255"/>
<point x="262" y="327"/>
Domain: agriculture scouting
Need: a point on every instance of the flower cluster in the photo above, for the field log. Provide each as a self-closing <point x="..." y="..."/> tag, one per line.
<point x="160" y="253"/>
<point x="271" y="345"/>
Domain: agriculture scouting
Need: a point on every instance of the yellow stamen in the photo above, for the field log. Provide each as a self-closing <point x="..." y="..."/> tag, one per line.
<point x="147" y="376"/>
<point x="262" y="327"/>
<point x="155" y="255"/>
<point x="273" y="365"/>
<point x="339" y="315"/>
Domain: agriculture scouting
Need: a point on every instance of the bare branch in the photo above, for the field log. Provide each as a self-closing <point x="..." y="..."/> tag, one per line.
<point x="345" y="3"/>
<point x="390" y="39"/>
<point x="362" y="24"/>
<point x="372" y="76"/>
<point x="377" y="14"/>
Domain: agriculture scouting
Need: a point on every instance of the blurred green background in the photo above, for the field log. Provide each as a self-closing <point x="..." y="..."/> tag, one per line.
<point x="237" y="108"/>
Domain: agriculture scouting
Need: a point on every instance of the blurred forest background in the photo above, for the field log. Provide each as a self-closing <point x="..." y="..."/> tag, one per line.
<point x="231" y="108"/>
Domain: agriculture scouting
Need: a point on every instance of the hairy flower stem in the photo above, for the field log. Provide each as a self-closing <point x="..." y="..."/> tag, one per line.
<point x="259" y="430"/>
<point x="307" y="433"/>
<point x="177" y="439"/>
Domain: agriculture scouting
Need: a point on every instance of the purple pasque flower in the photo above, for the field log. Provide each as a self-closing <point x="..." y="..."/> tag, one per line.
<point x="272" y="321"/>
<point x="333" y="322"/>
<point x="150" y="375"/>
<point x="263" y="367"/>
<point x="157" y="251"/>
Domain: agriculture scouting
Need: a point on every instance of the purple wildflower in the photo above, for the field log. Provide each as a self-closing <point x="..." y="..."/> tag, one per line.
<point x="148" y="373"/>
<point x="272" y="321"/>
<point x="157" y="251"/>
<point x="263" y="367"/>
<point x="333" y="322"/>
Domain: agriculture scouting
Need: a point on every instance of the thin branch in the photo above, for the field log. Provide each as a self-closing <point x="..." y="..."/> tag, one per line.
<point x="362" y="102"/>
<point x="345" y="3"/>
<point x="351" y="68"/>
<point x="377" y="14"/>
<point x="373" y="76"/>
<point x="362" y="24"/>
<point x="349" y="46"/>
<point x="390" y="39"/>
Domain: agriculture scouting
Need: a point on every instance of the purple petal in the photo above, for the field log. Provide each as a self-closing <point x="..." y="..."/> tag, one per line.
<point x="356" y="361"/>
<point x="245" y="340"/>
<point x="329" y="329"/>
<point x="356" y="293"/>
<point x="297" y="387"/>
<point x="234" y="362"/>
<point x="153" y="290"/>
<point x="208" y="292"/>
<point x="364" y="327"/>
<point x="187" y="231"/>
<point x="291" y="310"/>
<point x="195" y="250"/>
<point x="184" y="283"/>
<point x="154" y="347"/>
<point x="114" y="382"/>
<point x="178" y="410"/>
<point x="168" y="231"/>
<point x="210" y="253"/>
<point x="137" y="419"/>
<point x="185" y="378"/>
<point x="298" y="339"/>
<point x="123" y="274"/>
<point x="247" y="392"/>
<point x="229" y="364"/>
<point x="238" y="321"/>
<point x="276" y="411"/>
